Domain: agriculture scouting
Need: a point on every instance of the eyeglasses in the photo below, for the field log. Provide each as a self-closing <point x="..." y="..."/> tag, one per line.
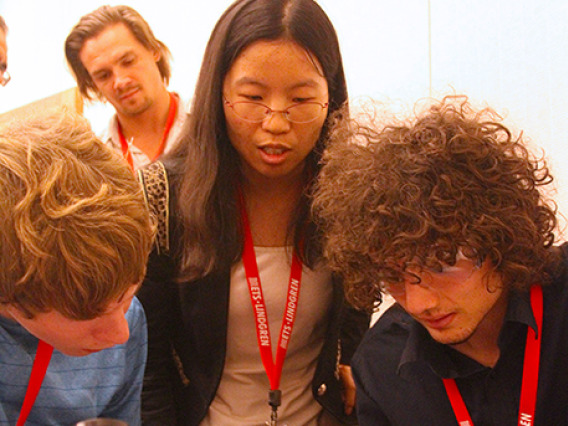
<point x="4" y="75"/>
<point x="255" y="112"/>
<point x="440" y="278"/>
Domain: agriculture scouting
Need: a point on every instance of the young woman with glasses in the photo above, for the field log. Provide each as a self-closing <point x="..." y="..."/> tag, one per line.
<point x="257" y="324"/>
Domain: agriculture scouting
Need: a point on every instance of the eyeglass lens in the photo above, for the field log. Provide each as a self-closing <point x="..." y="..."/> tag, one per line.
<point x="299" y="113"/>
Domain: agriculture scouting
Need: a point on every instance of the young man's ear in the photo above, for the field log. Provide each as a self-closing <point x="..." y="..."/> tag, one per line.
<point x="157" y="55"/>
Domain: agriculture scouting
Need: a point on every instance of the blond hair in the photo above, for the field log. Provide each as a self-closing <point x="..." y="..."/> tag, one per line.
<point x="75" y="232"/>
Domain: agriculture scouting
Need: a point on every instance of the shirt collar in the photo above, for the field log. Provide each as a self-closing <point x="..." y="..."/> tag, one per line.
<point x="520" y="311"/>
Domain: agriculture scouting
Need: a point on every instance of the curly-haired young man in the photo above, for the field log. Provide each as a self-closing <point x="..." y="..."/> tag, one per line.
<point x="74" y="239"/>
<point x="446" y="214"/>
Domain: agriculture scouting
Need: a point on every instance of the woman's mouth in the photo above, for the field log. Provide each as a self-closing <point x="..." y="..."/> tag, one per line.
<point x="273" y="150"/>
<point x="274" y="154"/>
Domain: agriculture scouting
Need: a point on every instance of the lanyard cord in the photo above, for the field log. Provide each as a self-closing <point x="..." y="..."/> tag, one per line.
<point x="530" y="372"/>
<point x="41" y="362"/>
<point x="273" y="368"/>
<point x="532" y="361"/>
<point x="125" y="147"/>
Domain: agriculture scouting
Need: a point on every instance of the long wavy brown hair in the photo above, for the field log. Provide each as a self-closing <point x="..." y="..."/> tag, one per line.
<point x="452" y="179"/>
<point x="205" y="168"/>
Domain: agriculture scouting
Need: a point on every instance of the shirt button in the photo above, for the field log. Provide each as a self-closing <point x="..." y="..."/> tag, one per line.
<point x="322" y="389"/>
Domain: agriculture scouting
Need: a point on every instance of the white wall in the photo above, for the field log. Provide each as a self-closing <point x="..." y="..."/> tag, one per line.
<point x="509" y="54"/>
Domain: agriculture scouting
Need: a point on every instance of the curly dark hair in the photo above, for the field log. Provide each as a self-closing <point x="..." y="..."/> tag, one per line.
<point x="451" y="180"/>
<point x="212" y="238"/>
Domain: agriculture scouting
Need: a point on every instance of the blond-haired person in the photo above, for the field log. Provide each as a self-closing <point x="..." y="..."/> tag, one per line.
<point x="74" y="239"/>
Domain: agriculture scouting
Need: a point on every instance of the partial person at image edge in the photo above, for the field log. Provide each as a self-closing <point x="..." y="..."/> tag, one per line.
<point x="4" y="75"/>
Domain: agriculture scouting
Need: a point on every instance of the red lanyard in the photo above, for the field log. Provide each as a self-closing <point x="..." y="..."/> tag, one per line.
<point x="41" y="361"/>
<point x="169" y="123"/>
<point x="273" y="369"/>
<point x="530" y="372"/>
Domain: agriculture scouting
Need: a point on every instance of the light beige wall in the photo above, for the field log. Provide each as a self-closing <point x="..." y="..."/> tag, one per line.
<point x="69" y="99"/>
<point x="513" y="56"/>
<point x="509" y="54"/>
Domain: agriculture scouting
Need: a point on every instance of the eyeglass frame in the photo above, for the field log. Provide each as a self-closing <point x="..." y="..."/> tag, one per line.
<point x="451" y="272"/>
<point x="4" y="75"/>
<point x="271" y="111"/>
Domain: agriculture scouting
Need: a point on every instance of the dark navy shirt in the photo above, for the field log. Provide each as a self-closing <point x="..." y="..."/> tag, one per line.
<point x="398" y="369"/>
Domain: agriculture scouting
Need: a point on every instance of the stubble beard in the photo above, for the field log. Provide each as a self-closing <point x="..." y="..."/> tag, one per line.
<point x="135" y="110"/>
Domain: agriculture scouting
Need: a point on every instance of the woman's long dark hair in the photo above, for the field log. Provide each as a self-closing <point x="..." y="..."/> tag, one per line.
<point x="206" y="165"/>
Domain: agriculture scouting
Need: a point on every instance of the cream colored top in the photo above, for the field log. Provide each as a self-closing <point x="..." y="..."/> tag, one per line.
<point x="111" y="138"/>
<point x="243" y="392"/>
